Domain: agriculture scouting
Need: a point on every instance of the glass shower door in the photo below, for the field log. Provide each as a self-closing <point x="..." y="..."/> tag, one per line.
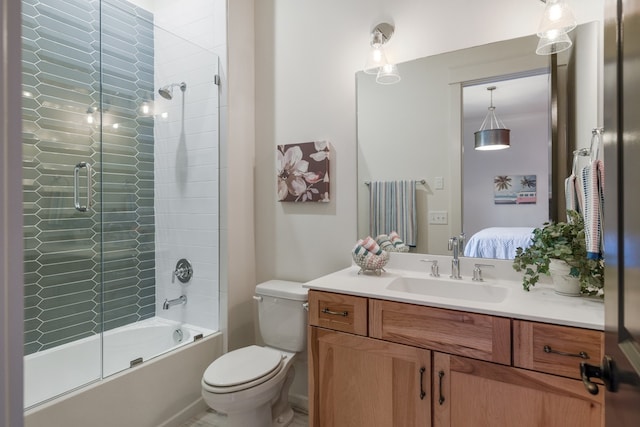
<point x="119" y="184"/>
<point x="61" y="164"/>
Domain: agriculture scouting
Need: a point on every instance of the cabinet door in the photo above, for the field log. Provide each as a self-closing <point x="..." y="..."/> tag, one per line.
<point x="469" y="392"/>
<point x="357" y="381"/>
<point x="555" y="349"/>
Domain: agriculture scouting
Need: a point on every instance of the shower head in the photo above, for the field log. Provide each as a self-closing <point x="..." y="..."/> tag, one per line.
<point x="167" y="91"/>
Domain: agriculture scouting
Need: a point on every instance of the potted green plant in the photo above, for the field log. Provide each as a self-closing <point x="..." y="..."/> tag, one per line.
<point x="565" y="242"/>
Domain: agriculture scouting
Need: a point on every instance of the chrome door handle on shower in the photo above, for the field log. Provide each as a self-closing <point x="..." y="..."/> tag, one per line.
<point x="76" y="185"/>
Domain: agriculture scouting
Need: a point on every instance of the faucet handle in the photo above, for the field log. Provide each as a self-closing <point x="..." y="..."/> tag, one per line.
<point x="183" y="271"/>
<point x="477" y="271"/>
<point x="434" y="267"/>
<point x="453" y="242"/>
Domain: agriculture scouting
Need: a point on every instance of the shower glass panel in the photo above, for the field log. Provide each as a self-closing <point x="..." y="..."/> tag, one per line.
<point x="61" y="182"/>
<point x="119" y="184"/>
<point x="159" y="187"/>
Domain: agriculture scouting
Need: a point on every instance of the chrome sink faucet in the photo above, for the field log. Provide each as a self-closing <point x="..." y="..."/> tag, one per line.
<point x="454" y="245"/>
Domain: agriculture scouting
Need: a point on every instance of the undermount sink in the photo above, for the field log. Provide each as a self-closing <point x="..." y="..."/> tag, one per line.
<point x="474" y="291"/>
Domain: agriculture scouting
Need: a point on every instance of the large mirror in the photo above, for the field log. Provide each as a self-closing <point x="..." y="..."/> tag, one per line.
<point x="421" y="130"/>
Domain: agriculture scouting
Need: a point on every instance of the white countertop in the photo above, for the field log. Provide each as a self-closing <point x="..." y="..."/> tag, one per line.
<point x="540" y="304"/>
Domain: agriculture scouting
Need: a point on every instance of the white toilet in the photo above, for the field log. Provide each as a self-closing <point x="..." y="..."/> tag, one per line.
<point x="251" y="385"/>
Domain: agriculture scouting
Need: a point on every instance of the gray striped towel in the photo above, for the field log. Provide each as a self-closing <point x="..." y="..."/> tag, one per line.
<point x="593" y="184"/>
<point x="573" y="194"/>
<point x="392" y="207"/>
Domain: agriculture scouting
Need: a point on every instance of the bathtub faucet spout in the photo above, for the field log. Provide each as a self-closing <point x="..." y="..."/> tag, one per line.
<point x="168" y="303"/>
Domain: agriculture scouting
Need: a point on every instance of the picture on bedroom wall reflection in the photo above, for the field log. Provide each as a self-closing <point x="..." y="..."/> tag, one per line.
<point x="514" y="190"/>
<point x="303" y="172"/>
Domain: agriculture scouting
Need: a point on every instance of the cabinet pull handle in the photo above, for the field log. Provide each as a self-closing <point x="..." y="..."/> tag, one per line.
<point x="335" y="313"/>
<point x="582" y="354"/>
<point x="441" y="399"/>
<point x="422" y="392"/>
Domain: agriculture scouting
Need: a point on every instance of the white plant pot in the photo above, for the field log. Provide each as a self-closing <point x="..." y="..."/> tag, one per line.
<point x="564" y="283"/>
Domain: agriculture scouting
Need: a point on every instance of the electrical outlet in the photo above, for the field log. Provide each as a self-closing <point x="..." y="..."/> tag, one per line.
<point x="438" y="217"/>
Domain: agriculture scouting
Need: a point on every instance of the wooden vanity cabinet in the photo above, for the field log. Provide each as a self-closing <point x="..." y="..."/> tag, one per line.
<point x="363" y="382"/>
<point x="468" y="392"/>
<point x="486" y="370"/>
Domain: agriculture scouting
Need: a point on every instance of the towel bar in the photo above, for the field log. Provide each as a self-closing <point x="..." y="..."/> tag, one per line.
<point x="420" y="181"/>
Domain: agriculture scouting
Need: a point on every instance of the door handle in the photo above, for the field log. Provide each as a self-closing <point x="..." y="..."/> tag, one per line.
<point x="587" y="372"/>
<point x="76" y="185"/>
<point x="609" y="373"/>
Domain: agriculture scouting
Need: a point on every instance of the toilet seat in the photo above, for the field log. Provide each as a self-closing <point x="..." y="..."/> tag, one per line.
<point x="242" y="369"/>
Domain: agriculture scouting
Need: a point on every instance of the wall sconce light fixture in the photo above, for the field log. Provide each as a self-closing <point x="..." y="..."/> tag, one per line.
<point x="377" y="63"/>
<point x="492" y="135"/>
<point x="557" y="20"/>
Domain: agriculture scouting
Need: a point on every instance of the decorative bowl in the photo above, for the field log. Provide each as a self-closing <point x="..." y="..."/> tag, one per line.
<point x="369" y="262"/>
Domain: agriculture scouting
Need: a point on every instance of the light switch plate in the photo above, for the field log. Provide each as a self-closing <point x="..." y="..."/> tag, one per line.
<point x="438" y="217"/>
<point x="439" y="183"/>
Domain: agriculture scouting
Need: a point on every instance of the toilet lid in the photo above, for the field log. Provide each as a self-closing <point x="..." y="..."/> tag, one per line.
<point x="242" y="366"/>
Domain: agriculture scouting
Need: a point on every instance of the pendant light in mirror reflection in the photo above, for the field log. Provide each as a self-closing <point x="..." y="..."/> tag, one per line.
<point x="493" y="134"/>
<point x="377" y="63"/>
<point x="557" y="21"/>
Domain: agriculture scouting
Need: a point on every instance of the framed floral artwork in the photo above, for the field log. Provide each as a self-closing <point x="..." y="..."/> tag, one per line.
<point x="303" y="172"/>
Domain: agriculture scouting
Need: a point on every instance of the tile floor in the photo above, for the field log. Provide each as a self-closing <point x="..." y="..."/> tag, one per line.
<point x="211" y="419"/>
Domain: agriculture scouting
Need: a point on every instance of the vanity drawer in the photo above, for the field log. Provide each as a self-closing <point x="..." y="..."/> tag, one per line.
<point x="339" y="312"/>
<point x="478" y="336"/>
<point x="555" y="349"/>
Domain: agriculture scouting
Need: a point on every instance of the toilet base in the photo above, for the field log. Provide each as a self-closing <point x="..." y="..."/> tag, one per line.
<point x="262" y="416"/>
<point x="272" y="411"/>
<point x="284" y="419"/>
<point x="282" y="406"/>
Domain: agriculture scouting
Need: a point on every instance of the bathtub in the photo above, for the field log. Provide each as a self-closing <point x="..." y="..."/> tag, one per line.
<point x="49" y="375"/>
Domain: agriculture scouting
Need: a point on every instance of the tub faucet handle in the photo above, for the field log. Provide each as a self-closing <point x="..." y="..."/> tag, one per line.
<point x="183" y="271"/>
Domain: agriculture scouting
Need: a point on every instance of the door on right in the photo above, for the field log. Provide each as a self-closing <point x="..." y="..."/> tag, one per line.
<point x="621" y="367"/>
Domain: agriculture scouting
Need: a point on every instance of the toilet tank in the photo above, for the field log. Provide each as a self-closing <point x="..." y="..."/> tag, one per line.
<point x="281" y="314"/>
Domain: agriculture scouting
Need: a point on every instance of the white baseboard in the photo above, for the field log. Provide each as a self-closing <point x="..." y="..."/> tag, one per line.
<point x="195" y="408"/>
<point x="299" y="402"/>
